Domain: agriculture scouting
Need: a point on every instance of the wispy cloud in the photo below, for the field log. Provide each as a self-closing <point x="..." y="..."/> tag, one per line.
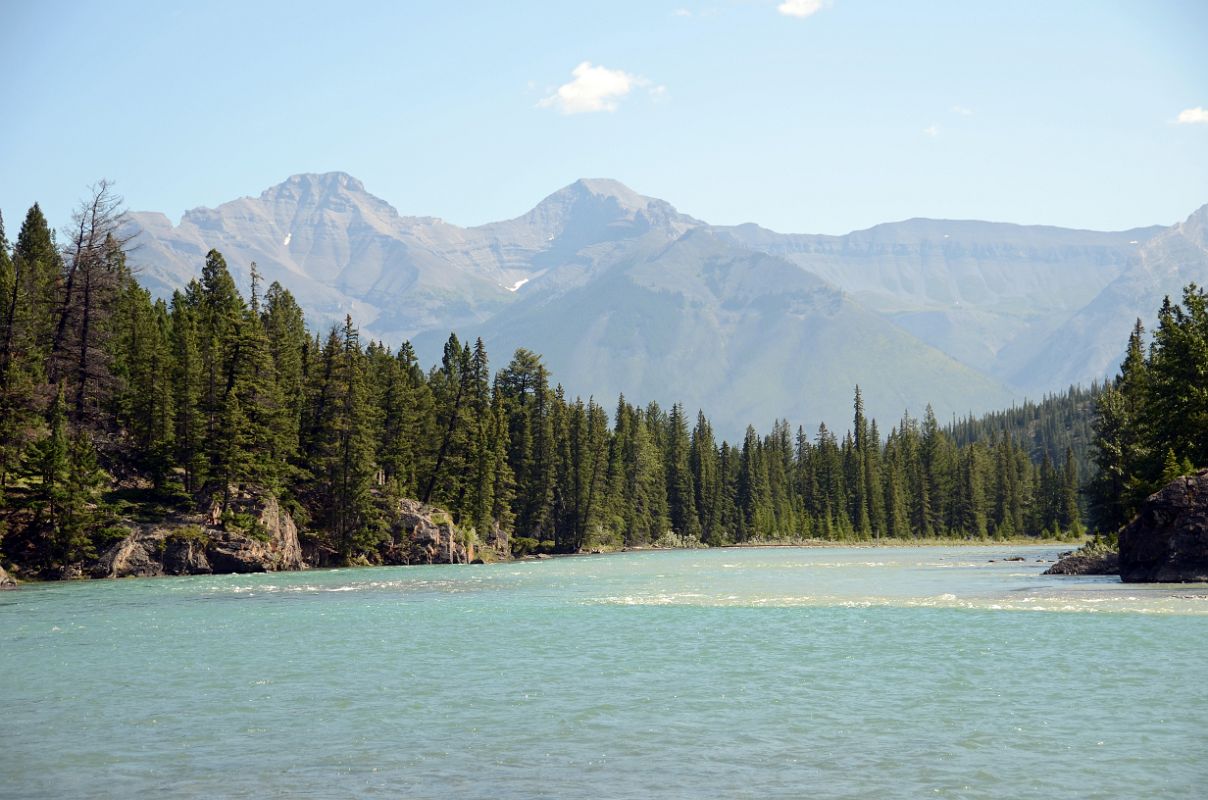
<point x="962" y="110"/>
<point x="932" y="130"/>
<point x="596" y="88"/>
<point x="801" y="8"/>
<point x="1193" y="116"/>
<point x="682" y="12"/>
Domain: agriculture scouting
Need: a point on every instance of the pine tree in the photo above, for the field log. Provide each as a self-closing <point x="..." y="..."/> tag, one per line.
<point x="35" y="303"/>
<point x="483" y="455"/>
<point x="897" y="513"/>
<point x="287" y="342"/>
<point x="264" y="441"/>
<point x="220" y="311"/>
<point x="189" y="422"/>
<point x="1175" y="416"/>
<point x="27" y="311"/>
<point x="856" y="458"/>
<point x="650" y="513"/>
<point x="503" y="490"/>
<point x="142" y="367"/>
<point x="344" y="448"/>
<point x="71" y="479"/>
<point x="752" y="489"/>
<point x="681" y="493"/>
<point x="1071" y="518"/>
<point x="452" y="387"/>
<point x="706" y="479"/>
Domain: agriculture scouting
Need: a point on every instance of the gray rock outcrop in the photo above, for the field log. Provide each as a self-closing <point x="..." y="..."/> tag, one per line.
<point x="424" y="534"/>
<point x="6" y="581"/>
<point x="202" y="545"/>
<point x="1167" y="542"/>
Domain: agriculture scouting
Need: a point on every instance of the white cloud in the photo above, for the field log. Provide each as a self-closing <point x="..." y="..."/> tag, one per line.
<point x="964" y="112"/>
<point x="932" y="130"/>
<point x="1193" y="116"/>
<point x="800" y="8"/>
<point x="595" y="89"/>
<point x="682" y="12"/>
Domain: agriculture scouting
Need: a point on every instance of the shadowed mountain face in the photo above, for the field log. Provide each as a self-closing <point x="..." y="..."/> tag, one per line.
<point x="621" y="292"/>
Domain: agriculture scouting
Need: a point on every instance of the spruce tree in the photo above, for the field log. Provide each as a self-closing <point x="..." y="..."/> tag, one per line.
<point x="706" y="479"/>
<point x="681" y="493"/>
<point x="188" y="382"/>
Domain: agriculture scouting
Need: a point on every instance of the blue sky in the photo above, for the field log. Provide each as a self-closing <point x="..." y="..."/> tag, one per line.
<point x="802" y="115"/>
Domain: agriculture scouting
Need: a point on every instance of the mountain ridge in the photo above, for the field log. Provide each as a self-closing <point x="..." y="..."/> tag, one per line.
<point x="992" y="309"/>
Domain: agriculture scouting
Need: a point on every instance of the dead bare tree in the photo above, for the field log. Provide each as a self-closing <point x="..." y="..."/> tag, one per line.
<point x="94" y="268"/>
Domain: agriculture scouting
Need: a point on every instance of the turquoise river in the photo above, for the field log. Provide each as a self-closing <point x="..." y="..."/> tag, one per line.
<point x="737" y="673"/>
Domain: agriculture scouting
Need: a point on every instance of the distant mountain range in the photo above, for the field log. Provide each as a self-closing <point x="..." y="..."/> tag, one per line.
<point x="621" y="292"/>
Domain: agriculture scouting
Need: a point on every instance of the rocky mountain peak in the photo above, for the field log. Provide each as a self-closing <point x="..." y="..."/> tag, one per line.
<point x="600" y="209"/>
<point x="315" y="182"/>
<point x="328" y="190"/>
<point x="607" y="187"/>
<point x="1195" y="227"/>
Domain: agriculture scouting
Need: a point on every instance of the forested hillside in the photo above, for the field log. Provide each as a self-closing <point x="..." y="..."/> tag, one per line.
<point x="1048" y="428"/>
<point x="116" y="406"/>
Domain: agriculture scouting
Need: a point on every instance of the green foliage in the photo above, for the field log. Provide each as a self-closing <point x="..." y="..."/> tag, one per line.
<point x="247" y="524"/>
<point x="1151" y="424"/>
<point x="524" y="545"/>
<point x="190" y="533"/>
<point x="115" y="405"/>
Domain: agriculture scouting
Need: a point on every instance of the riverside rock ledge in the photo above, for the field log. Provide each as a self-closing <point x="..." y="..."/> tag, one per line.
<point x="1167" y="542"/>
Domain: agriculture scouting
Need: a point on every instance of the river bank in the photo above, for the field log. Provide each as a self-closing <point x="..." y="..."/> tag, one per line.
<point x="144" y="565"/>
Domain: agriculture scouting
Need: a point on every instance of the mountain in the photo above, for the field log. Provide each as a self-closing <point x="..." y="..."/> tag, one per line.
<point x="1090" y="341"/>
<point x="986" y="293"/>
<point x="622" y="292"/>
<point x="746" y="336"/>
<point x="341" y="250"/>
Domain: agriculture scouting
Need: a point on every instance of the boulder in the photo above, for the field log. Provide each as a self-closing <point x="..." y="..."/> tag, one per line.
<point x="1167" y="542"/>
<point x="1086" y="562"/>
<point x="6" y="581"/>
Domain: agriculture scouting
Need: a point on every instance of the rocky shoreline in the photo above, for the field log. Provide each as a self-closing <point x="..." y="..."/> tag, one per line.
<point x="254" y="533"/>
<point x="1167" y="542"/>
<point x="1086" y="561"/>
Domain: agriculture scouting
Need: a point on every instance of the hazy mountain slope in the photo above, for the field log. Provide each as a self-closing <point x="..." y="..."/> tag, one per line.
<point x="746" y="336"/>
<point x="621" y="292"/>
<point x="1092" y="343"/>
<point x="986" y="293"/>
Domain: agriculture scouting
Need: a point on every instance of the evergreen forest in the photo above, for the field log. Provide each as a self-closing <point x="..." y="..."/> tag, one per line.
<point x="115" y="405"/>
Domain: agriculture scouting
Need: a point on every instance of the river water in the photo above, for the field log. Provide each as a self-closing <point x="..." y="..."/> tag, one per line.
<point x="738" y="673"/>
